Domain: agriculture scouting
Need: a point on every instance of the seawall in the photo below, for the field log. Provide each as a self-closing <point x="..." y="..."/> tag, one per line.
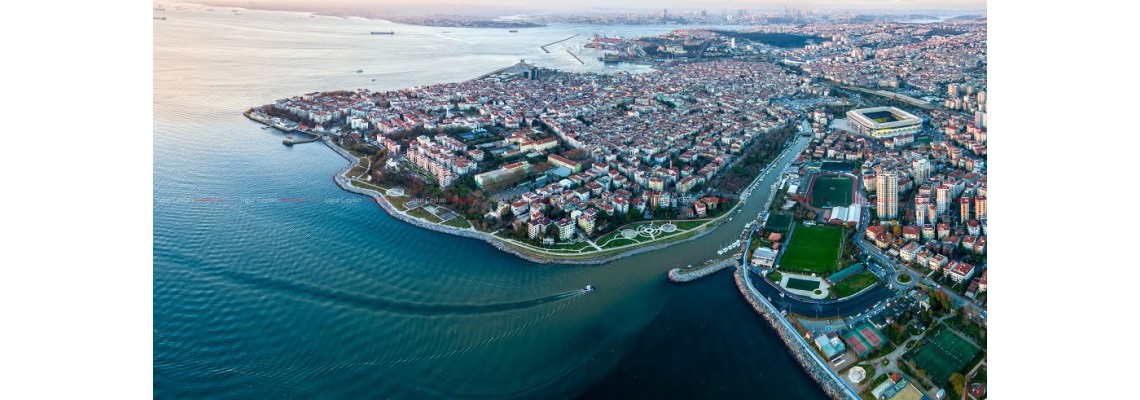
<point x="827" y="379"/>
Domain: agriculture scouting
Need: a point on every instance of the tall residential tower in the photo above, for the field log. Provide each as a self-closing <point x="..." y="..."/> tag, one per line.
<point x="887" y="192"/>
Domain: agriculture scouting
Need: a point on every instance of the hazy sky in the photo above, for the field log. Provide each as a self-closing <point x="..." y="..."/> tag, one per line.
<point x="540" y="6"/>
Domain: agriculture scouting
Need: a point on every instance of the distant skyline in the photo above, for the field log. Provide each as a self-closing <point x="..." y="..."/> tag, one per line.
<point x="483" y="7"/>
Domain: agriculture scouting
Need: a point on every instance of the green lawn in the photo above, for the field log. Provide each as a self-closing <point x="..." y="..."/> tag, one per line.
<point x="614" y="239"/>
<point x="364" y="185"/>
<point x="775" y="276"/>
<point x="615" y="234"/>
<point x="458" y="222"/>
<point x="399" y="202"/>
<point x="802" y="284"/>
<point x="686" y="225"/>
<point x="944" y="355"/>
<point x="831" y="191"/>
<point x="356" y="171"/>
<point x="813" y="249"/>
<point x="854" y="284"/>
<point x="423" y="214"/>
<point x="570" y="246"/>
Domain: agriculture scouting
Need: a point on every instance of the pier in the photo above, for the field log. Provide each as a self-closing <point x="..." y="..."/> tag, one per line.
<point x="520" y="64"/>
<point x="557" y="42"/>
<point x="681" y="275"/>
<point x="289" y="140"/>
<point x="575" y="56"/>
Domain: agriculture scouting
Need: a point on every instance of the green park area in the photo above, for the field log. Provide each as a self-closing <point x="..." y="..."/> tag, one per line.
<point x="775" y="277"/>
<point x="831" y="191"/>
<point x="645" y="232"/>
<point x="854" y="284"/>
<point x="813" y="249"/>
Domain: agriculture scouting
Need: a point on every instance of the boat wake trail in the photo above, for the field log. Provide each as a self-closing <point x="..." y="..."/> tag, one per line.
<point x="455" y="39"/>
<point x="371" y="303"/>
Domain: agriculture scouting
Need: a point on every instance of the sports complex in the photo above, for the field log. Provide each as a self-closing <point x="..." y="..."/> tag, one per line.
<point x="884" y="122"/>
<point x="943" y="355"/>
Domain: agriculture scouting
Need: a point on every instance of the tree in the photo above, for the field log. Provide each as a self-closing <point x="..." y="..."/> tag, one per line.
<point x="958" y="382"/>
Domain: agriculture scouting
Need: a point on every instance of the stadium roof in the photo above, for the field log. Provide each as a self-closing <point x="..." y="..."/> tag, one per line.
<point x="904" y="118"/>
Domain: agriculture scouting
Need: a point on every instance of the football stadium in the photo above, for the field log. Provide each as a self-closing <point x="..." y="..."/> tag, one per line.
<point x="884" y="122"/>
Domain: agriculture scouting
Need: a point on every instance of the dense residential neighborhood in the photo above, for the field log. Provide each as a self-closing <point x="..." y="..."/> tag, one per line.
<point x="584" y="147"/>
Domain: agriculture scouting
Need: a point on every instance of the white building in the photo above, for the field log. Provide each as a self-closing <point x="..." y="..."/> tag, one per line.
<point x="764" y="257"/>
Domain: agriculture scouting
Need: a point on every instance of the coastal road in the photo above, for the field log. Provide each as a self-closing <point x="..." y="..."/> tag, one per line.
<point x="822" y="308"/>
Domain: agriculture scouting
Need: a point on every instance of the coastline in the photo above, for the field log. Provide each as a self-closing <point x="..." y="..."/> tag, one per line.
<point x="344" y="183"/>
<point x="828" y="380"/>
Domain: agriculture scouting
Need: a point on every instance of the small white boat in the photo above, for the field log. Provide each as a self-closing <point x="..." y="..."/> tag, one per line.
<point x="588" y="288"/>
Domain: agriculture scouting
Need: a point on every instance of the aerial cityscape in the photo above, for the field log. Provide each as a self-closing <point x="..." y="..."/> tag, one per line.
<point x="774" y="202"/>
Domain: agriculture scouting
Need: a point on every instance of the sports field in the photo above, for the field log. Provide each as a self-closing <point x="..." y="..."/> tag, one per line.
<point x="802" y="284"/>
<point x="831" y="191"/>
<point x="946" y="354"/>
<point x="881" y="116"/>
<point x="779" y="222"/>
<point x="813" y="249"/>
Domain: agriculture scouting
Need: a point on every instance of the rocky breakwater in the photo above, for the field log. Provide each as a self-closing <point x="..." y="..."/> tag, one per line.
<point x="682" y="275"/>
<point x="828" y="380"/>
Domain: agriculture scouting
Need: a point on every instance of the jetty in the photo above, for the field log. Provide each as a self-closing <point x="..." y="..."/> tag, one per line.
<point x="290" y="140"/>
<point x="557" y="42"/>
<point x="520" y="64"/>
<point x="575" y="57"/>
<point x="688" y="274"/>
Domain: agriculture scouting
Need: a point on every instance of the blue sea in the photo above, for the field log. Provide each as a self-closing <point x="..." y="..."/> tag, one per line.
<point x="271" y="282"/>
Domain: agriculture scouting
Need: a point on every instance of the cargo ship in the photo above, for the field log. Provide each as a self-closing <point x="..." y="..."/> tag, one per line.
<point x="514" y="31"/>
<point x="383" y="33"/>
